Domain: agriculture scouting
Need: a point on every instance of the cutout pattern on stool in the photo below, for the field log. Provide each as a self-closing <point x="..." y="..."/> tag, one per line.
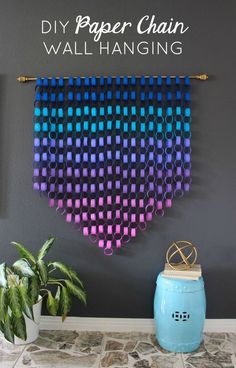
<point x="178" y="316"/>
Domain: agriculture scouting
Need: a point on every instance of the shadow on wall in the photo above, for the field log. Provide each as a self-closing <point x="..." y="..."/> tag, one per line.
<point x="199" y="164"/>
<point x="220" y="294"/>
<point x="3" y="154"/>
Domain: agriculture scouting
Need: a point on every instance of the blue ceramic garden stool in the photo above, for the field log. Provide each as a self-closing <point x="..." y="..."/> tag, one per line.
<point x="179" y="312"/>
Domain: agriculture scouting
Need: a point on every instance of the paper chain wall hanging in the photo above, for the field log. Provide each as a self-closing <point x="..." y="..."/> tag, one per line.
<point x="112" y="152"/>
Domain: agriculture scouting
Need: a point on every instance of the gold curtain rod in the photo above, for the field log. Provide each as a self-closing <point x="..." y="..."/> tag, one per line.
<point x="203" y="77"/>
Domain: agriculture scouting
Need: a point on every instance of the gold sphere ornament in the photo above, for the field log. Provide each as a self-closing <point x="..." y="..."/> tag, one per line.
<point x="181" y="255"/>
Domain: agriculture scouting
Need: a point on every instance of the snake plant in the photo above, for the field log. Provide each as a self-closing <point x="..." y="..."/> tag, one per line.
<point x="27" y="279"/>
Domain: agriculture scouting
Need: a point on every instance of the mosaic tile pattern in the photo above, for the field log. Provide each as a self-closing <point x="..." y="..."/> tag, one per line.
<point x="70" y="349"/>
<point x="9" y="353"/>
<point x="110" y="153"/>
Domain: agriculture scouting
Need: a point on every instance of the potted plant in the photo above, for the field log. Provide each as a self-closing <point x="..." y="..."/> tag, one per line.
<point x="23" y="287"/>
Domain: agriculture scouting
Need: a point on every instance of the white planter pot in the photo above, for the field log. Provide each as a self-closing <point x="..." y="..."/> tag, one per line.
<point x="32" y="327"/>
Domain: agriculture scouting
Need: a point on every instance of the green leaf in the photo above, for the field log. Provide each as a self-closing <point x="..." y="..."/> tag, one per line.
<point x="26" y="303"/>
<point x="8" y="330"/>
<point x="65" y="303"/>
<point x="25" y="253"/>
<point x="43" y="272"/>
<point x="34" y="289"/>
<point x="76" y="278"/>
<point x="19" y="327"/>
<point x="45" y="248"/>
<point x="3" y="278"/>
<point x="67" y="271"/>
<point x="23" y="267"/>
<point x="52" y="304"/>
<point x="58" y="293"/>
<point x="76" y="291"/>
<point x="2" y="327"/>
<point x="14" y="301"/>
<point x="3" y="303"/>
<point x="25" y="282"/>
<point x="61" y="267"/>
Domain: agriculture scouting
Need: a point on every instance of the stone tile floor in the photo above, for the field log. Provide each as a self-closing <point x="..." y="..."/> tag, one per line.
<point x="70" y="349"/>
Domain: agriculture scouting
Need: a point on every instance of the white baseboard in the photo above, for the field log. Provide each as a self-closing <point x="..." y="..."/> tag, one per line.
<point x="124" y="324"/>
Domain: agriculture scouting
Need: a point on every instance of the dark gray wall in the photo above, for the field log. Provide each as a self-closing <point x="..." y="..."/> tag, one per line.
<point x="123" y="285"/>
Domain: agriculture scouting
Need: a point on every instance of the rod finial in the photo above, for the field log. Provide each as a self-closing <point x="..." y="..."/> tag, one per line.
<point x="22" y="79"/>
<point x="203" y="77"/>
